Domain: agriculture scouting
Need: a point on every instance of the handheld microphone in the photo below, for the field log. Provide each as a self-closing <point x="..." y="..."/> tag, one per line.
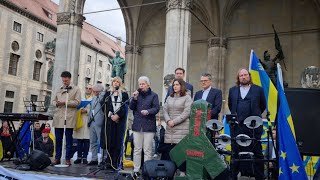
<point x="116" y="88"/>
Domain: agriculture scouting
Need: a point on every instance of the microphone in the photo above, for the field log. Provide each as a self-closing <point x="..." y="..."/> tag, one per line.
<point x="116" y="88"/>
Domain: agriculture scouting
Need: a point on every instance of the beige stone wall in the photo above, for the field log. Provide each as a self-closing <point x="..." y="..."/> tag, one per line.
<point x="297" y="23"/>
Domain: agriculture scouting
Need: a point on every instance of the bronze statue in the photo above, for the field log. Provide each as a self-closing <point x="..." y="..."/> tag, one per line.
<point x="270" y="65"/>
<point x="119" y="68"/>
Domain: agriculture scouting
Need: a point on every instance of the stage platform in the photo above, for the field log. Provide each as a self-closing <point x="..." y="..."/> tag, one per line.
<point x="75" y="170"/>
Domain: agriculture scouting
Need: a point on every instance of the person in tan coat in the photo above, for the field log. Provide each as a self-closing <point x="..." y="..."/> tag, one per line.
<point x="60" y="101"/>
<point x="82" y="134"/>
<point x="176" y="112"/>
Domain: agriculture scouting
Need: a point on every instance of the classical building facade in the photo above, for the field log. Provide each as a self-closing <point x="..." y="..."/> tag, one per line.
<point x="28" y="30"/>
<point x="216" y="36"/>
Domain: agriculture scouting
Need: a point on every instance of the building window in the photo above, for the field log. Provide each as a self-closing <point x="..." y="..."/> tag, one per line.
<point x="17" y="27"/>
<point x="99" y="82"/>
<point x="40" y="37"/>
<point x="88" y="72"/>
<point x="36" y="70"/>
<point x="100" y="63"/>
<point x="108" y="67"/>
<point x="99" y="75"/>
<point x="38" y="54"/>
<point x="13" y="64"/>
<point x="8" y="107"/>
<point x="87" y="80"/>
<point x="34" y="98"/>
<point x="15" y="46"/>
<point x="89" y="59"/>
<point x="9" y="94"/>
<point x="99" y="42"/>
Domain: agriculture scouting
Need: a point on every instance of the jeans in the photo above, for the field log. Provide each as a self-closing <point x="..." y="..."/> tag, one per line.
<point x="83" y="148"/>
<point x="59" y="136"/>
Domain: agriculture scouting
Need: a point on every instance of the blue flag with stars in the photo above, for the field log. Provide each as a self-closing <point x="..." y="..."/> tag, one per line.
<point x="290" y="163"/>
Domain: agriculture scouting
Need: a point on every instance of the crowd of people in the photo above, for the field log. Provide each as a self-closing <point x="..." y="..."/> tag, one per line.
<point x="105" y="119"/>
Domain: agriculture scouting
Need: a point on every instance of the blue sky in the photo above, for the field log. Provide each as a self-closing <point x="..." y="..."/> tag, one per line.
<point x="111" y="21"/>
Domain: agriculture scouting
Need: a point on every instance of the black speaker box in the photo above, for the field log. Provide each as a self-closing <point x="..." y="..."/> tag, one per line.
<point x="305" y="111"/>
<point x="153" y="169"/>
<point x="38" y="160"/>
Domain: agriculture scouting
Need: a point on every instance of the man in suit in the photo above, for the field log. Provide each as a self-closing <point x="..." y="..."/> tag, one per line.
<point x="210" y="94"/>
<point x="179" y="74"/>
<point x="246" y="99"/>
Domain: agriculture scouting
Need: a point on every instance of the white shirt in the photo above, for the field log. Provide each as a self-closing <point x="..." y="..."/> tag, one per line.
<point x="205" y="93"/>
<point x="244" y="91"/>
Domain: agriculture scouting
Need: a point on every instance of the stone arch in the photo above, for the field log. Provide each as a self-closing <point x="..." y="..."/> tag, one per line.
<point x="128" y="22"/>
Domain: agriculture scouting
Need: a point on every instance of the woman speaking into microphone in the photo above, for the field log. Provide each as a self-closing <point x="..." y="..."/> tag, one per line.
<point x="114" y="126"/>
<point x="145" y="106"/>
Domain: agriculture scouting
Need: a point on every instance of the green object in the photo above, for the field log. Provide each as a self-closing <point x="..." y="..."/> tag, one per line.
<point x="119" y="68"/>
<point x="202" y="159"/>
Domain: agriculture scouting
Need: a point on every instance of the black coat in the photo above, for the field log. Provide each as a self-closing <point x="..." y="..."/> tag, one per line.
<point x="146" y="101"/>
<point x="214" y="98"/>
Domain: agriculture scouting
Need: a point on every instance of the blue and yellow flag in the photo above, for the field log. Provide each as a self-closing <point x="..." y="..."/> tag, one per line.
<point x="290" y="162"/>
<point x="82" y="105"/>
<point x="260" y="77"/>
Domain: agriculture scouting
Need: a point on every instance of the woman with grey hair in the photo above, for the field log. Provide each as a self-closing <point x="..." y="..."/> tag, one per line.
<point x="145" y="106"/>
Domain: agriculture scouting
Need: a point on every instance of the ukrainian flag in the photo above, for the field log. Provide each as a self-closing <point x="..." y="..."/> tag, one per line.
<point x="290" y="162"/>
<point x="260" y="77"/>
<point x="82" y="105"/>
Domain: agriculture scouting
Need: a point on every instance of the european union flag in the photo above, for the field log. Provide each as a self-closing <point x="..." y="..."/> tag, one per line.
<point x="290" y="162"/>
<point x="260" y="77"/>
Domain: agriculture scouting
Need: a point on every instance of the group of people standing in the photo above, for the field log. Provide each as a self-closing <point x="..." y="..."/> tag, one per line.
<point x="107" y="115"/>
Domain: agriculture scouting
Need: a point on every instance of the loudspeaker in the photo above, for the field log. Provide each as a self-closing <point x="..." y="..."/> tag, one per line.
<point x="305" y="111"/>
<point x="153" y="169"/>
<point x="38" y="160"/>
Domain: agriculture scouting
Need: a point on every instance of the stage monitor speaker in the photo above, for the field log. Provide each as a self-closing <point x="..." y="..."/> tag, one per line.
<point x="154" y="169"/>
<point x="305" y="111"/>
<point x="38" y="160"/>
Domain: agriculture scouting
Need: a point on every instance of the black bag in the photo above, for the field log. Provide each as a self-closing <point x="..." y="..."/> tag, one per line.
<point x="153" y="169"/>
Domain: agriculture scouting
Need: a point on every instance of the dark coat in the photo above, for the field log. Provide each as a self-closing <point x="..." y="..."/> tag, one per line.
<point x="257" y="100"/>
<point x="44" y="147"/>
<point x="146" y="101"/>
<point x="115" y="131"/>
<point x="214" y="98"/>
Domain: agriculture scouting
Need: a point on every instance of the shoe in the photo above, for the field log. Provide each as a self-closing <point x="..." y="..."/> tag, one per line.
<point x="84" y="161"/>
<point x="78" y="161"/>
<point x="56" y="161"/>
<point x="92" y="163"/>
<point x="155" y="156"/>
<point x="68" y="162"/>
<point x="182" y="174"/>
<point x="136" y="175"/>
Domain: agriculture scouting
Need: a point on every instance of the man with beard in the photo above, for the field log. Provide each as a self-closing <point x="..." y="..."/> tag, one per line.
<point x="246" y="99"/>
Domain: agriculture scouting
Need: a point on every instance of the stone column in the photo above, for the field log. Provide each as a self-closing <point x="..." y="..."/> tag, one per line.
<point x="178" y="33"/>
<point x="217" y="50"/>
<point x="217" y="47"/>
<point x="131" y="79"/>
<point x="69" y="21"/>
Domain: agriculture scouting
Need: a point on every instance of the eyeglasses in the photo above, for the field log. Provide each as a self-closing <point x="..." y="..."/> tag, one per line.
<point x="204" y="80"/>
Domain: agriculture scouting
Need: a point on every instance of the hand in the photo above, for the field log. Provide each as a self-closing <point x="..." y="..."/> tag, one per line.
<point x="115" y="118"/>
<point x="270" y="165"/>
<point x="144" y="112"/>
<point x="60" y="103"/>
<point x="84" y="111"/>
<point x="135" y="95"/>
<point x="170" y="123"/>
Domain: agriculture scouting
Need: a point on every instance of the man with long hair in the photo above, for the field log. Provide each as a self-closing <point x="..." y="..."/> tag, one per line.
<point x="246" y="99"/>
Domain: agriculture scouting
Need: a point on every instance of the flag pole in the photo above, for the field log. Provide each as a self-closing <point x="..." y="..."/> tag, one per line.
<point x="250" y="62"/>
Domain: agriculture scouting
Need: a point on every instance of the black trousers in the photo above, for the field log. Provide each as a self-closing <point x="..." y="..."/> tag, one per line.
<point x="252" y="169"/>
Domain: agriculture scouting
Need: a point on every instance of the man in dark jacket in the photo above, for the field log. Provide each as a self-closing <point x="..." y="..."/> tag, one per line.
<point x="179" y="73"/>
<point x="145" y="106"/>
<point x="246" y="99"/>
<point x="45" y="143"/>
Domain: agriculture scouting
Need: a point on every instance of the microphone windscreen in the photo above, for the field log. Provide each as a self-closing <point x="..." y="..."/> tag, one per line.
<point x="116" y="88"/>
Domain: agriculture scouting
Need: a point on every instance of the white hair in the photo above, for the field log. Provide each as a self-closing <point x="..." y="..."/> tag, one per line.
<point x="144" y="78"/>
<point x="98" y="87"/>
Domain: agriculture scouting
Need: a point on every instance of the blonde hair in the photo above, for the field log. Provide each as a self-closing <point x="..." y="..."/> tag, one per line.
<point x="120" y="83"/>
